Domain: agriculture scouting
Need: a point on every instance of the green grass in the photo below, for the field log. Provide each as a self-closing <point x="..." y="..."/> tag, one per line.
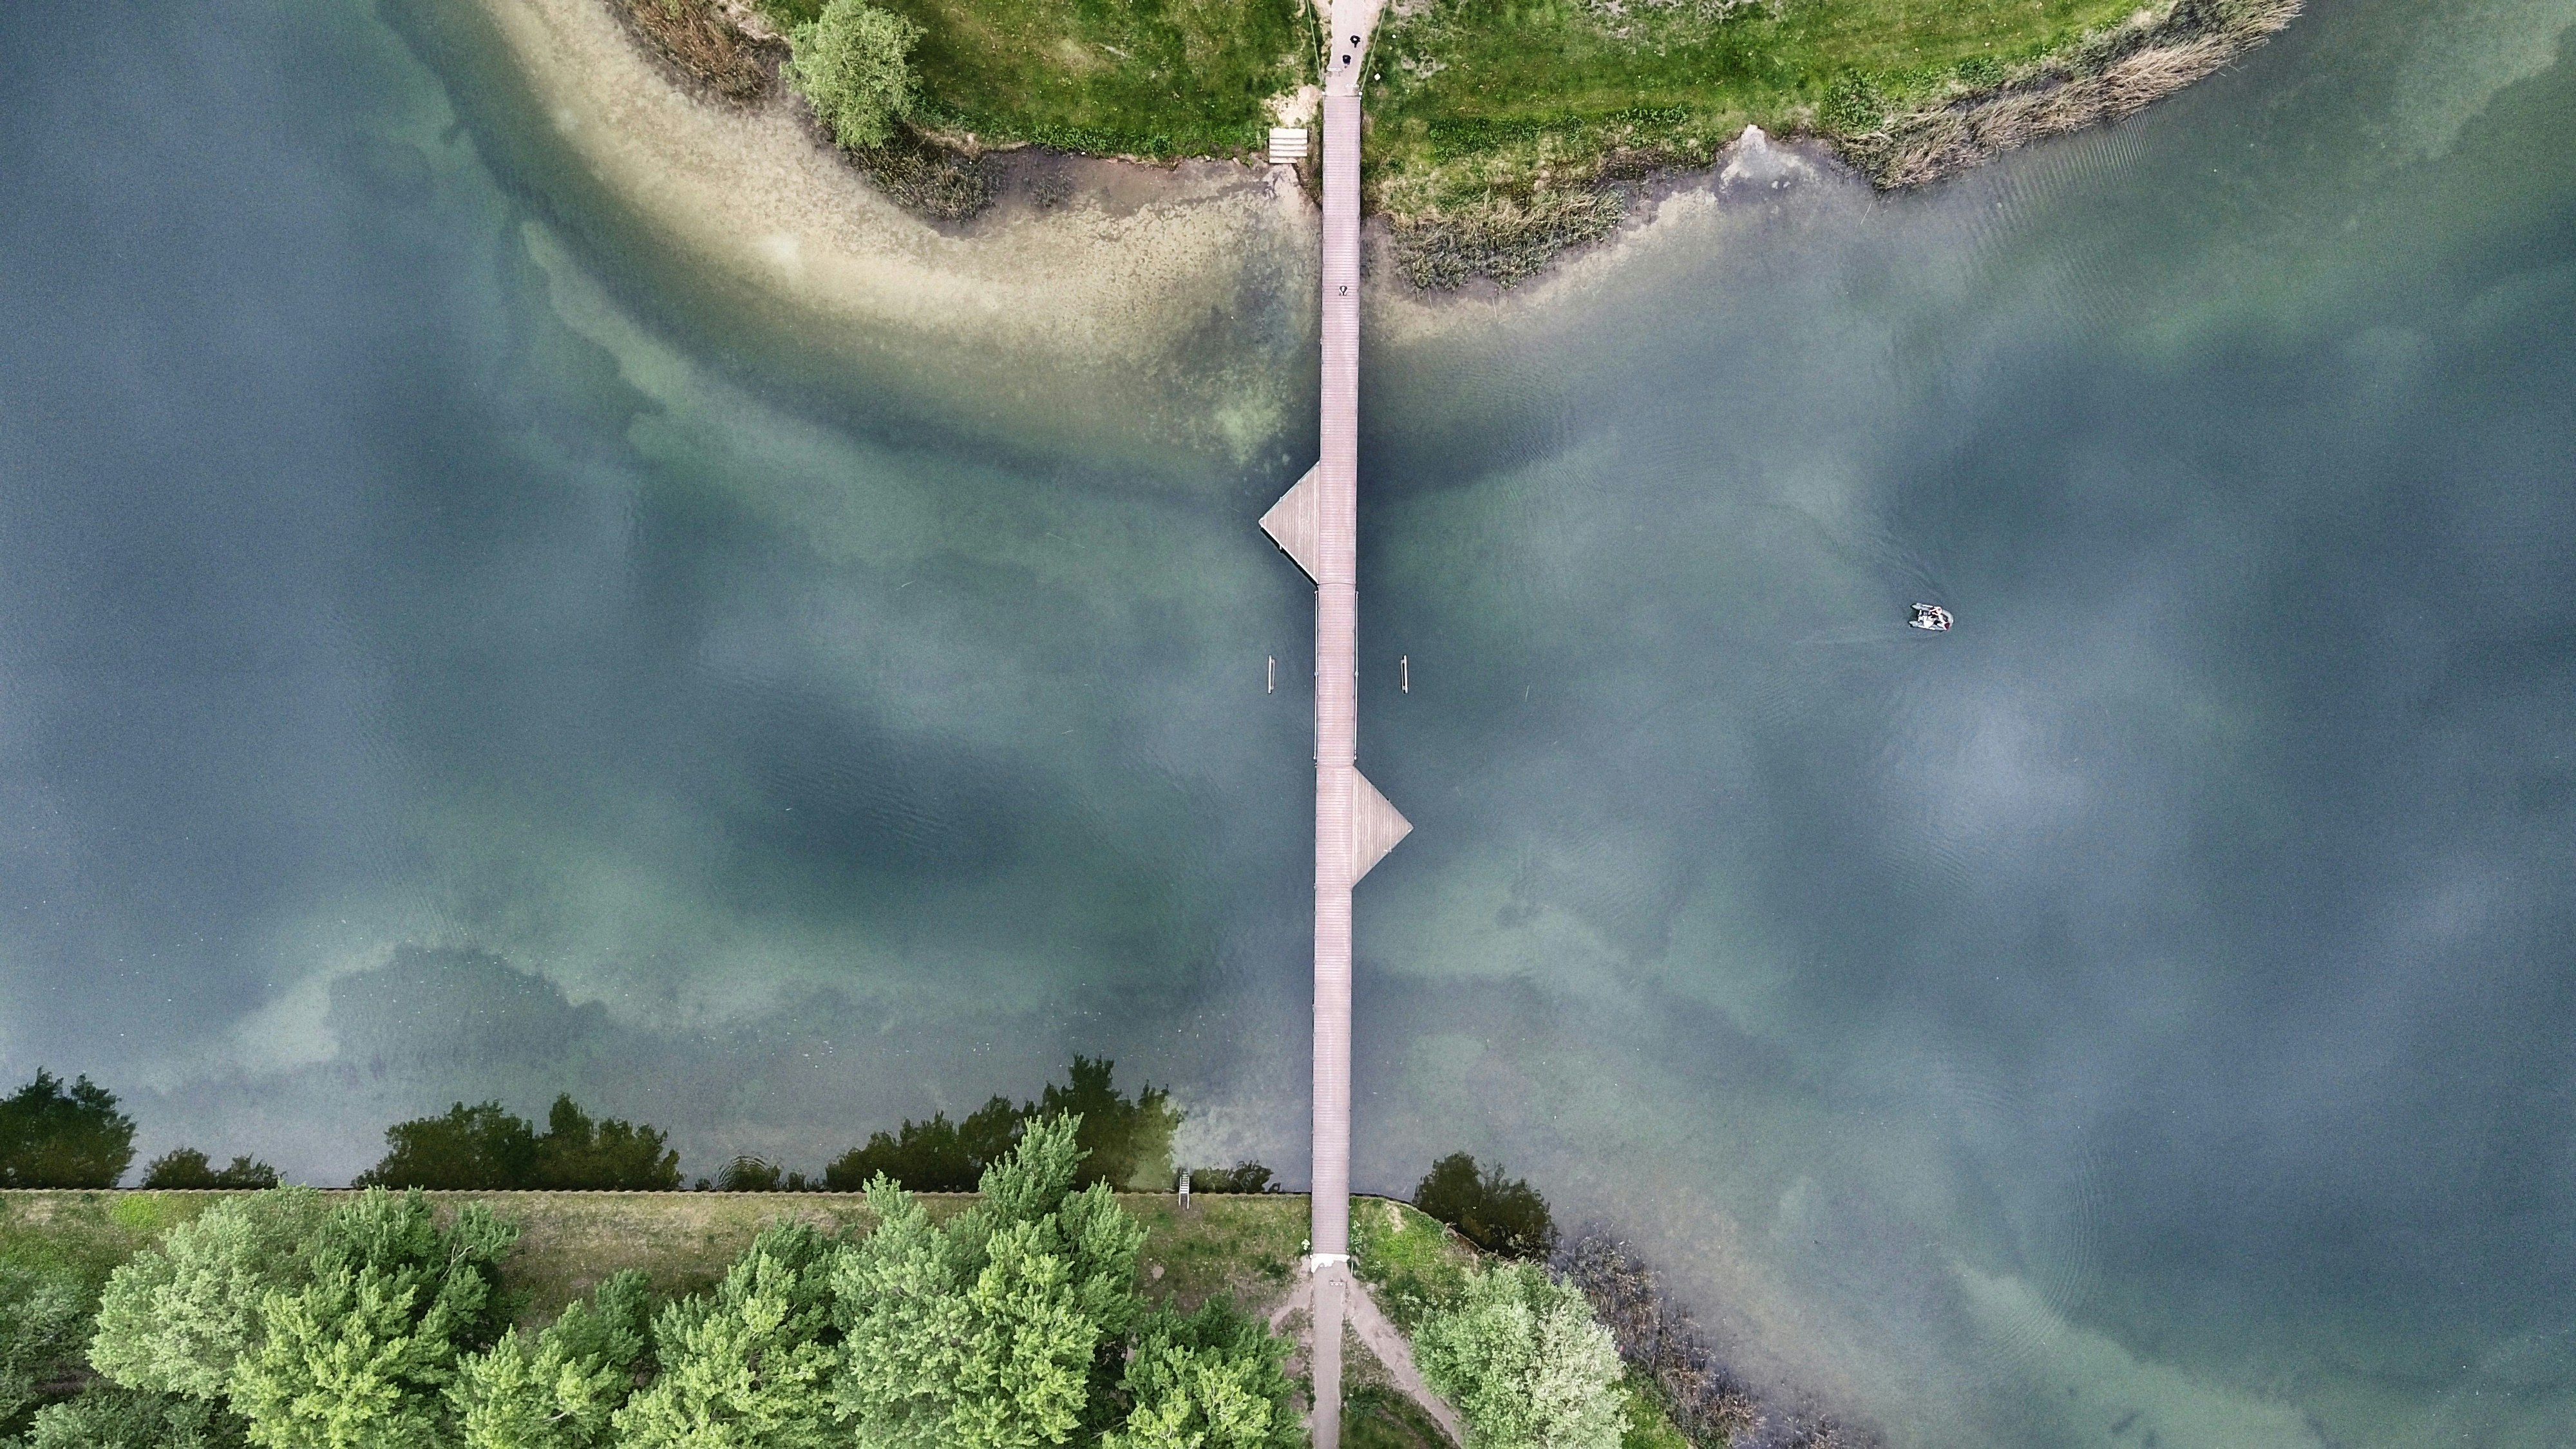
<point x="1649" y="1427"/>
<point x="1246" y="1246"/>
<point x="1468" y="78"/>
<point x="1122" y="77"/>
<point x="1414" y="1263"/>
<point x="1501" y="130"/>
<point x="1377" y="1417"/>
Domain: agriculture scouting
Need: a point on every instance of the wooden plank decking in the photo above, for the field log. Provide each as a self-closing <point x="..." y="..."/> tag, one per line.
<point x="1345" y="805"/>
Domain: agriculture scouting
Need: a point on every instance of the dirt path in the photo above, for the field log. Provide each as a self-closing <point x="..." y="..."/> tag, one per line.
<point x="1382" y="1338"/>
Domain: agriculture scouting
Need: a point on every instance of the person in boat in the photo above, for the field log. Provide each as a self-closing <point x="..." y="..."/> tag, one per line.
<point x="1930" y="616"/>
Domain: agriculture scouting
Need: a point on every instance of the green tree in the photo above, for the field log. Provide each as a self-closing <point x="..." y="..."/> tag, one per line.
<point x="933" y="1156"/>
<point x="1499" y="1214"/>
<point x="999" y="1329"/>
<point x="853" y="65"/>
<point x="53" y="1136"/>
<point x="1210" y="1380"/>
<point x="746" y="1367"/>
<point x="560" y="1389"/>
<point x="177" y="1316"/>
<point x="1525" y="1363"/>
<point x="359" y="1357"/>
<point x="481" y="1148"/>
<point x="110" y="1416"/>
<point x="186" y="1167"/>
<point x="43" y="1318"/>
<point x="603" y="1156"/>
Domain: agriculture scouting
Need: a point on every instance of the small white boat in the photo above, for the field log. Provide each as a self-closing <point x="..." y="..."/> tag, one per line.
<point x="1930" y="616"/>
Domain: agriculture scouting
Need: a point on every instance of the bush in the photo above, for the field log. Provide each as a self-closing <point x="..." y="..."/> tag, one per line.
<point x="51" y="1136"/>
<point x="999" y="1328"/>
<point x="107" y="1416"/>
<point x="852" y="65"/>
<point x="1211" y="1380"/>
<point x="562" y="1389"/>
<point x="186" y="1167"/>
<point x="177" y="1317"/>
<point x="1525" y="1364"/>
<point x="1498" y="1214"/>
<point x="43" y="1318"/>
<point x="486" y="1148"/>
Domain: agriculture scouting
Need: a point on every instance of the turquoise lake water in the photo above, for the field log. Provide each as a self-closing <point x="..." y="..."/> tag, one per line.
<point x="450" y="647"/>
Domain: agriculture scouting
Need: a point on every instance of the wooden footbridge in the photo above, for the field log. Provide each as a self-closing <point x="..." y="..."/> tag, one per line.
<point x="1317" y="524"/>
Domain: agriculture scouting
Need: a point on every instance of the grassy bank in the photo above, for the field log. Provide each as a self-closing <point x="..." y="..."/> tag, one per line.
<point x="1504" y="130"/>
<point x="1243" y="1245"/>
<point x="1146" y="78"/>
<point x="1500" y="131"/>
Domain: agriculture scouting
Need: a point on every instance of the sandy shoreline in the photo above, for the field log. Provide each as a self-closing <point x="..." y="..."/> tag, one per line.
<point x="1094" y="275"/>
<point x="1098" y="271"/>
<point x="1073" y="304"/>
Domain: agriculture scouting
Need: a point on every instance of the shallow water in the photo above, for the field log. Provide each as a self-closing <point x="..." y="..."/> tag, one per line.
<point x="468" y="633"/>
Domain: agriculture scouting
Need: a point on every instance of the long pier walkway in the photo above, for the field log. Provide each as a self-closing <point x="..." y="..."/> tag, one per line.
<point x="1317" y="523"/>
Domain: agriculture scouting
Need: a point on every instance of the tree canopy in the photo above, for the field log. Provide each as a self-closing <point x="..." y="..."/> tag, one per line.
<point x="57" y="1136"/>
<point x="42" y="1315"/>
<point x="561" y="1388"/>
<point x="853" y="64"/>
<point x="1208" y="1380"/>
<point x="284" y="1320"/>
<point x="1526" y="1364"/>
<point x="322" y="1327"/>
<point x="360" y="1353"/>
<point x="178" y="1316"/>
